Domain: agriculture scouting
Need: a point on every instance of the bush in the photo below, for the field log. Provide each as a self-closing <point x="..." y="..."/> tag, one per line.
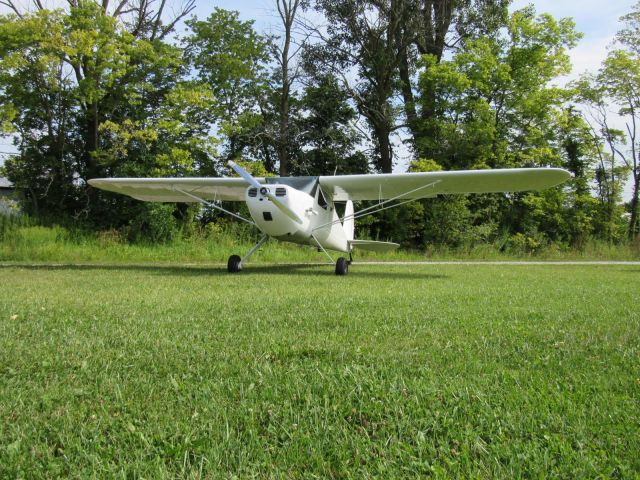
<point x="521" y="244"/>
<point x="155" y="223"/>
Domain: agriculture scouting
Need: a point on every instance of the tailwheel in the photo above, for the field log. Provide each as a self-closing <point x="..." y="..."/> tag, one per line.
<point x="342" y="266"/>
<point x="234" y="265"/>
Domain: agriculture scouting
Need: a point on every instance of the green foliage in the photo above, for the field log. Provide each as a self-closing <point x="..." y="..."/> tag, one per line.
<point x="230" y="59"/>
<point x="27" y="239"/>
<point x="615" y="86"/>
<point x="9" y="223"/>
<point x="95" y="100"/>
<point x="331" y="143"/>
<point x="155" y="223"/>
<point x="492" y="103"/>
<point x="493" y="107"/>
<point x="424" y="165"/>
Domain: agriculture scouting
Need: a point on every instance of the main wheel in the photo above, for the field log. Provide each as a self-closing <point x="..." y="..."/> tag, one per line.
<point x="342" y="266"/>
<point x="234" y="264"/>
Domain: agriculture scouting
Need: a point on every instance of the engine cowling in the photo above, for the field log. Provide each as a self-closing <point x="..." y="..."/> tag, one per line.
<point x="271" y="220"/>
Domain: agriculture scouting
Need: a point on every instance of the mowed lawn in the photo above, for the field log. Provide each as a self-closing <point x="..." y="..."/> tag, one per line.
<point x="292" y="372"/>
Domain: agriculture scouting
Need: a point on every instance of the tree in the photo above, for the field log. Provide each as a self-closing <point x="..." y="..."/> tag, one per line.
<point x="578" y="156"/>
<point x="492" y="106"/>
<point x="617" y="84"/>
<point x="329" y="139"/>
<point x="142" y="19"/>
<point x="434" y="27"/>
<point x="94" y="100"/>
<point x="359" y="38"/>
<point x="230" y="60"/>
<point x="285" y="77"/>
<point x="620" y="77"/>
<point x="374" y="47"/>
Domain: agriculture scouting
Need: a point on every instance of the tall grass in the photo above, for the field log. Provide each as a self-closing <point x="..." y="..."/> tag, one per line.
<point x="24" y="239"/>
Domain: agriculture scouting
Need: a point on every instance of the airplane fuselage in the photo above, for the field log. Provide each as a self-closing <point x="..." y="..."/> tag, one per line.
<point x="320" y="221"/>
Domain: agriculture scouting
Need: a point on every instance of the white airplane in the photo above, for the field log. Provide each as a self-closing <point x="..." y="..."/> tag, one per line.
<point x="303" y="209"/>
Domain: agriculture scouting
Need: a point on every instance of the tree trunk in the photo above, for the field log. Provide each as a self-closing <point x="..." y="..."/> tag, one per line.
<point x="283" y="152"/>
<point x="385" y="151"/>
<point x="407" y="94"/>
<point x="633" y="221"/>
<point x="91" y="140"/>
<point x="287" y="10"/>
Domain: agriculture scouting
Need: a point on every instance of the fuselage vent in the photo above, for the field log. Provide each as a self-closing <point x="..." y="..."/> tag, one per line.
<point x="253" y="192"/>
<point x="281" y="192"/>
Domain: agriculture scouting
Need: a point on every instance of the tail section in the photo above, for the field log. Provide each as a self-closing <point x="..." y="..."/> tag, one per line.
<point x="373" y="246"/>
<point x="348" y="224"/>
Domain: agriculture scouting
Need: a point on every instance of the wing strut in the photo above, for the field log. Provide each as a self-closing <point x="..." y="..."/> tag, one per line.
<point x="217" y="207"/>
<point x="376" y="208"/>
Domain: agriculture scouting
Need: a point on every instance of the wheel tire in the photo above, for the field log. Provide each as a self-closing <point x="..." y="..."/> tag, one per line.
<point x="234" y="265"/>
<point x="342" y="266"/>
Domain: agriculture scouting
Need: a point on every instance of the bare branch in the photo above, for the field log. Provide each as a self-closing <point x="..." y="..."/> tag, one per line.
<point x="120" y="8"/>
<point x="185" y="10"/>
<point x="11" y="5"/>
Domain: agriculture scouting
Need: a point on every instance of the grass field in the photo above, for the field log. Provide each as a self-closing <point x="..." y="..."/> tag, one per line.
<point x="290" y="372"/>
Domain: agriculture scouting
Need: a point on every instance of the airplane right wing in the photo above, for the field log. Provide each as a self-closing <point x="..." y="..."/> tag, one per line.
<point x="429" y="184"/>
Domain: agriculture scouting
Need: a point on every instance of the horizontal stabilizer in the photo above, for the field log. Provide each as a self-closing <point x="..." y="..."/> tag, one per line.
<point x="373" y="246"/>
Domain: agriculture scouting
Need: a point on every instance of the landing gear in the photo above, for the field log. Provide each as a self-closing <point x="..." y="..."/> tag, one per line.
<point x="342" y="266"/>
<point x="234" y="265"/>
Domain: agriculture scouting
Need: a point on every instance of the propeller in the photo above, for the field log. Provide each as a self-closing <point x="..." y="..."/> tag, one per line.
<point x="264" y="191"/>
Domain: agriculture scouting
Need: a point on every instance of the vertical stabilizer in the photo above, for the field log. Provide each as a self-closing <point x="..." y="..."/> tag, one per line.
<point x="348" y="223"/>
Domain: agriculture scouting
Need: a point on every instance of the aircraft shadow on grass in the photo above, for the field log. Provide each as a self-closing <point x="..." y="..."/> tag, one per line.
<point x="254" y="270"/>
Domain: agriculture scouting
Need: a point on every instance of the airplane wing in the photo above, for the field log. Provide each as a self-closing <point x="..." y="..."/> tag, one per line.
<point x="344" y="187"/>
<point x="429" y="184"/>
<point x="171" y="189"/>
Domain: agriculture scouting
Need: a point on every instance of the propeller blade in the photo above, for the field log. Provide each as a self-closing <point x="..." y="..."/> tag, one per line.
<point x="244" y="174"/>
<point x="264" y="191"/>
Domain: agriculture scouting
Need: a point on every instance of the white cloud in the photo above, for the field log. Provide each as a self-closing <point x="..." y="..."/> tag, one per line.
<point x="589" y="54"/>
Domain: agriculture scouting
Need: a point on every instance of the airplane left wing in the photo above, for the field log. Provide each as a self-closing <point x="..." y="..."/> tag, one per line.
<point x="173" y="189"/>
<point x="429" y="184"/>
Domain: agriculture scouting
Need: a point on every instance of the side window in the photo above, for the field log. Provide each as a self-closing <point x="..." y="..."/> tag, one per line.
<point x="321" y="200"/>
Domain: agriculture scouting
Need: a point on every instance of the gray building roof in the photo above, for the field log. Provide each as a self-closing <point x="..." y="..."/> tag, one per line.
<point x="5" y="183"/>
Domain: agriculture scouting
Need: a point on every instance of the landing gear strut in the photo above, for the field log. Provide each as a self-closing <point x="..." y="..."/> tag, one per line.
<point x="234" y="265"/>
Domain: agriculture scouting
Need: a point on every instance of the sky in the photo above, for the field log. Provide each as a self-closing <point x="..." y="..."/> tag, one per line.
<point x="596" y="19"/>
